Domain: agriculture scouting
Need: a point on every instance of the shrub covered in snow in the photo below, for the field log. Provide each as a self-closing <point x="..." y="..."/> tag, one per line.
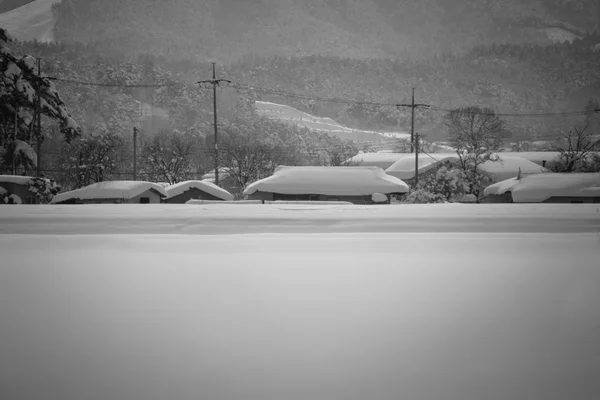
<point x="44" y="189"/>
<point x="445" y="184"/>
<point x="422" y="196"/>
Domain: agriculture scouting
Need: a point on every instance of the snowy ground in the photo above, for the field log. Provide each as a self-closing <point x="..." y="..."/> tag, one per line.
<point x="353" y="302"/>
<point x="33" y="21"/>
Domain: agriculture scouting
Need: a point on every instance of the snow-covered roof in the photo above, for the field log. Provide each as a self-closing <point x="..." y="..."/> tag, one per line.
<point x="223" y="173"/>
<point x="381" y="160"/>
<point x="205" y="186"/>
<point x="539" y="187"/>
<point x="405" y="168"/>
<point x="333" y="181"/>
<point x="110" y="190"/>
<point x="506" y="167"/>
<point x="20" y="180"/>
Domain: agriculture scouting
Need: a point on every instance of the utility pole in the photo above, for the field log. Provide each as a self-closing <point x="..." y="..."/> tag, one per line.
<point x="135" y="133"/>
<point x="215" y="82"/>
<point x="38" y="142"/>
<point x="412" y="106"/>
<point x="416" y="159"/>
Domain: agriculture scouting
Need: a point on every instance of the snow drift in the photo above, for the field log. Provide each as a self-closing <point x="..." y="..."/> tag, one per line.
<point x="332" y="181"/>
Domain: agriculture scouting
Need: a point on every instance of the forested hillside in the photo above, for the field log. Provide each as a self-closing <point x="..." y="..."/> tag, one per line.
<point x="328" y="58"/>
<point x="229" y="29"/>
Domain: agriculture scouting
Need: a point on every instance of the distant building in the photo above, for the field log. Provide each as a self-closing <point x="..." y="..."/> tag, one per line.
<point x="506" y="166"/>
<point x="195" y="190"/>
<point x="358" y="185"/>
<point x="131" y="192"/>
<point x="15" y="189"/>
<point x="546" y="188"/>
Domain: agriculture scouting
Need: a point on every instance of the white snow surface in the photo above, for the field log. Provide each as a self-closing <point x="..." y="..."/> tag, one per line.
<point x="32" y="21"/>
<point x="539" y="187"/>
<point x="379" y="198"/>
<point x="381" y="160"/>
<point x="15" y="198"/>
<point x="445" y="302"/>
<point x="294" y="116"/>
<point x="505" y="167"/>
<point x="332" y="181"/>
<point x="110" y="190"/>
<point x="21" y="180"/>
<point x="206" y="186"/>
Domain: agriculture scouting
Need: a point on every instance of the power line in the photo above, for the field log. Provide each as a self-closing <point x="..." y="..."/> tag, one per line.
<point x="215" y="82"/>
<point x="552" y="114"/>
<point x="158" y="85"/>
<point x="282" y="93"/>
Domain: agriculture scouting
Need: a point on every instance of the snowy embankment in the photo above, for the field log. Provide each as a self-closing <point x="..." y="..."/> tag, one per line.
<point x="33" y="21"/>
<point x="153" y="314"/>
<point x="287" y="218"/>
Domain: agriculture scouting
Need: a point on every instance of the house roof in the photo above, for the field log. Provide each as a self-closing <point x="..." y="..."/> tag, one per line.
<point x="381" y="160"/>
<point x="110" y="190"/>
<point x="333" y="181"/>
<point x="506" y="167"/>
<point x="539" y="187"/>
<point x="210" y="176"/>
<point x="205" y="186"/>
<point x="20" y="180"/>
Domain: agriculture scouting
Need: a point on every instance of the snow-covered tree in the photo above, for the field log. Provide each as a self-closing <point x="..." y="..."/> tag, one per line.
<point x="20" y="88"/>
<point x="576" y="149"/>
<point x="476" y="134"/>
<point x="443" y="185"/>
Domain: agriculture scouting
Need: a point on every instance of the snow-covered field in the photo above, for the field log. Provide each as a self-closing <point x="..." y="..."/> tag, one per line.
<point x="33" y="21"/>
<point x="299" y="302"/>
<point x="294" y="116"/>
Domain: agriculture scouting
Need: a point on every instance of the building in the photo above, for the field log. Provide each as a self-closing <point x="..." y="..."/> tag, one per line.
<point x="181" y="192"/>
<point x="15" y="189"/>
<point x="226" y="181"/>
<point x="358" y="185"/>
<point x="505" y="167"/>
<point x="131" y="192"/>
<point x="546" y="188"/>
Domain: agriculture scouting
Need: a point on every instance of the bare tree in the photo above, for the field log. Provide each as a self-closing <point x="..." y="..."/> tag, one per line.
<point x="167" y="157"/>
<point x="476" y="134"/>
<point x="576" y="148"/>
<point x="340" y="154"/>
<point x="247" y="159"/>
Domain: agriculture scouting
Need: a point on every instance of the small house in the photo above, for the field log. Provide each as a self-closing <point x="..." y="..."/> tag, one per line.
<point x="358" y="185"/>
<point x="226" y="181"/>
<point x="503" y="168"/>
<point x="546" y="188"/>
<point x="195" y="190"/>
<point x="131" y="192"/>
<point x="15" y="189"/>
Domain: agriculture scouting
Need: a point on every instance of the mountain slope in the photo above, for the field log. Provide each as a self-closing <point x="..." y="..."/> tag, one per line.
<point x="294" y="116"/>
<point x="230" y="29"/>
<point x="32" y="21"/>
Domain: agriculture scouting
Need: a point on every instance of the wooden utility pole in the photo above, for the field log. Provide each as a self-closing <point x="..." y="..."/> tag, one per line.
<point x="215" y="82"/>
<point x="416" y="159"/>
<point x="135" y="133"/>
<point x="412" y="106"/>
<point x="38" y="141"/>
